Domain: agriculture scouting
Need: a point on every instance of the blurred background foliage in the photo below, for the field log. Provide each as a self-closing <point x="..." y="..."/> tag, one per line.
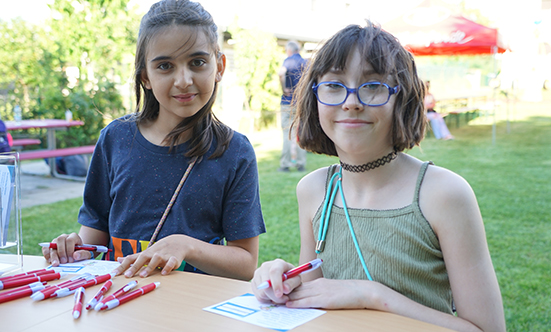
<point x="258" y="57"/>
<point x="82" y="59"/>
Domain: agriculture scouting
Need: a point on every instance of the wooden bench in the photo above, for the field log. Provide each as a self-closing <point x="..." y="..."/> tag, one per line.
<point x="19" y="143"/>
<point x="45" y="154"/>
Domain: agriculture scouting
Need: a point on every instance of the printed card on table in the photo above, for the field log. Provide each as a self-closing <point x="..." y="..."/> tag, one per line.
<point x="277" y="317"/>
<point x="93" y="266"/>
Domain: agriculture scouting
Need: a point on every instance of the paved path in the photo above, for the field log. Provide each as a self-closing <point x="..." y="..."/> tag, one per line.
<point x="37" y="187"/>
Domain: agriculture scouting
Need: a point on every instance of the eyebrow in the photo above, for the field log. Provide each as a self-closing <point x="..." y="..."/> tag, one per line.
<point x="167" y="57"/>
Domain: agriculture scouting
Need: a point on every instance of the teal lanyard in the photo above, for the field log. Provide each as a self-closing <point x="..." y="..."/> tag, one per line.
<point x="334" y="186"/>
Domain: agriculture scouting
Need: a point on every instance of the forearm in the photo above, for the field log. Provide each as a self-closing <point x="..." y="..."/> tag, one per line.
<point x="237" y="259"/>
<point x="379" y="297"/>
<point x="93" y="236"/>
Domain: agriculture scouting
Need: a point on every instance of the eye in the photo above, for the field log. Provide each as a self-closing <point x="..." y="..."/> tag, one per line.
<point x="197" y="62"/>
<point x="371" y="86"/>
<point x="164" y="66"/>
<point x="332" y="86"/>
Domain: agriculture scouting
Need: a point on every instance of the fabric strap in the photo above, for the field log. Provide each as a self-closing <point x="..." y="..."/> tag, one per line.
<point x="172" y="200"/>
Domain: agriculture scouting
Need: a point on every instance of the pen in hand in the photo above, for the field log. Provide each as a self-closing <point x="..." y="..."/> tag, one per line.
<point x="88" y="247"/>
<point x="307" y="267"/>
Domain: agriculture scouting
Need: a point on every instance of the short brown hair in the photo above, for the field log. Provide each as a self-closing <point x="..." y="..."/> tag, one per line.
<point x="380" y="49"/>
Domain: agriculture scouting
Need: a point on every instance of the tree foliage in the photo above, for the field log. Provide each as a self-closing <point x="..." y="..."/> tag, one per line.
<point x="78" y="60"/>
<point x="258" y="58"/>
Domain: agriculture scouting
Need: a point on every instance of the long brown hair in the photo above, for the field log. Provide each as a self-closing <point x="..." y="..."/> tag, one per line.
<point x="204" y="125"/>
<point x="380" y="49"/>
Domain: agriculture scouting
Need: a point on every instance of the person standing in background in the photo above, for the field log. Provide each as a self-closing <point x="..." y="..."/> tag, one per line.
<point x="289" y="75"/>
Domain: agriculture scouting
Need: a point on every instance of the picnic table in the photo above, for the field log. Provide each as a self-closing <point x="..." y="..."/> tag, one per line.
<point x="51" y="152"/>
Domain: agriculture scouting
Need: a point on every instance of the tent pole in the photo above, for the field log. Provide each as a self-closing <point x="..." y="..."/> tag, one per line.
<point x="494" y="51"/>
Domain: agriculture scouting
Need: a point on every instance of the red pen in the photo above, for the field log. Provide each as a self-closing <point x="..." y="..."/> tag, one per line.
<point x="79" y="298"/>
<point x="22" y="291"/>
<point x="16" y="282"/>
<point x="86" y="283"/>
<point x="99" y="295"/>
<point x="123" y="290"/>
<point x="28" y="274"/>
<point x="306" y="267"/>
<point x="89" y="247"/>
<point x="49" y="291"/>
<point x="130" y="296"/>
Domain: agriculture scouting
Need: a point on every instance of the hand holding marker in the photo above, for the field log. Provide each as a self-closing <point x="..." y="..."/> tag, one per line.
<point x="89" y="247"/>
<point x="307" y="267"/>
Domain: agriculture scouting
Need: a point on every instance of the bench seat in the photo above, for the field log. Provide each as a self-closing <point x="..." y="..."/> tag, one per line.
<point x="26" y="141"/>
<point x="44" y="154"/>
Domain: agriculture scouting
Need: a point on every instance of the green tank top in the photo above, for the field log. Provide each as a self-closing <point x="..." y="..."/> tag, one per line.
<point x="399" y="247"/>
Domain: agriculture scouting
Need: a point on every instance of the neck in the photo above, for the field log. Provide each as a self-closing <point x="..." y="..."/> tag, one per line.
<point x="370" y="165"/>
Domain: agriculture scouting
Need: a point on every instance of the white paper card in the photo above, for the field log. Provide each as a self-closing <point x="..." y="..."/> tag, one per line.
<point x="278" y="317"/>
<point x="93" y="266"/>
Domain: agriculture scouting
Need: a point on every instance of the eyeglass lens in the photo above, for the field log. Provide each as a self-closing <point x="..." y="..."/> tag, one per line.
<point x="368" y="93"/>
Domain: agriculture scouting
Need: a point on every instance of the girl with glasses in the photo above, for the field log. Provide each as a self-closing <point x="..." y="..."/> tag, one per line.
<point x="395" y="234"/>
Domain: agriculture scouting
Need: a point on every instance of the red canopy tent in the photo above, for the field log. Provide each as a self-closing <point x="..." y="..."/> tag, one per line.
<point x="436" y="30"/>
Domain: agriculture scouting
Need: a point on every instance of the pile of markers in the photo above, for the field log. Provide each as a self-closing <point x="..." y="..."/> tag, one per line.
<point x="33" y="284"/>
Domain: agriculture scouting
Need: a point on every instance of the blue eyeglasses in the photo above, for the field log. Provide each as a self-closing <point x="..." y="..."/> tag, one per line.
<point x="370" y="93"/>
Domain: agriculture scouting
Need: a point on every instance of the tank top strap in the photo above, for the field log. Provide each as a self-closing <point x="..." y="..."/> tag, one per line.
<point x="420" y="178"/>
<point x="332" y="169"/>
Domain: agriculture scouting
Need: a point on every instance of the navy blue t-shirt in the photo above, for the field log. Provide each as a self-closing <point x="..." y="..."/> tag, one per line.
<point x="131" y="181"/>
<point x="294" y="64"/>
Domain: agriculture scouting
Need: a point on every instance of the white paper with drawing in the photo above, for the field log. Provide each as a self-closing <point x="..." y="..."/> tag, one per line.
<point x="278" y="317"/>
<point x="6" y="188"/>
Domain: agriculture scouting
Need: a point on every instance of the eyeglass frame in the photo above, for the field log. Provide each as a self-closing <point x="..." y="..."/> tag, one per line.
<point x="391" y="91"/>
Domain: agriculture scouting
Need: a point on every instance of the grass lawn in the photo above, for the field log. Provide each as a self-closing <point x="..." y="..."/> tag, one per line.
<point x="511" y="178"/>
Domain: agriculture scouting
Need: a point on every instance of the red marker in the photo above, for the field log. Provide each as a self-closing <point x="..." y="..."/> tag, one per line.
<point x="89" y="247"/>
<point x="22" y="291"/>
<point x="307" y="267"/>
<point x="123" y="290"/>
<point x="86" y="283"/>
<point x="79" y="298"/>
<point x="49" y="291"/>
<point x="130" y="296"/>
<point x="29" y="274"/>
<point x="99" y="295"/>
<point x="16" y="282"/>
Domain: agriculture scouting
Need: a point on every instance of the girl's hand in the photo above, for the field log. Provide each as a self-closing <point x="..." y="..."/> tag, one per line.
<point x="163" y="254"/>
<point x="65" y="252"/>
<point x="280" y="290"/>
<point x="334" y="294"/>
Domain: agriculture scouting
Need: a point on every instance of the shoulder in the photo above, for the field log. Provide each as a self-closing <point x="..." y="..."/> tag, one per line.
<point x="240" y="145"/>
<point x="446" y="199"/>
<point x="311" y="188"/>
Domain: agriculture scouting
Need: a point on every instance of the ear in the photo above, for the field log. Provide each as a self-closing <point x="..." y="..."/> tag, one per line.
<point x="145" y="80"/>
<point x="221" y="67"/>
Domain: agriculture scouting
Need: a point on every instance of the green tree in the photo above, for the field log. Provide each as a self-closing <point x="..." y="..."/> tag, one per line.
<point x="78" y="59"/>
<point x="258" y="58"/>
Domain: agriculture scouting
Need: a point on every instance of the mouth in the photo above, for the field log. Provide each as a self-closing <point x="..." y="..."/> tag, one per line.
<point x="353" y="122"/>
<point x="184" y="97"/>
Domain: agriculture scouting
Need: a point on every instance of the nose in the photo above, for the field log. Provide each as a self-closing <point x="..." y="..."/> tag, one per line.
<point x="352" y="102"/>
<point x="183" y="78"/>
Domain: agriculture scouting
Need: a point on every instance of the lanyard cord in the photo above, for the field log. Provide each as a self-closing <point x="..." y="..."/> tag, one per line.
<point x="326" y="214"/>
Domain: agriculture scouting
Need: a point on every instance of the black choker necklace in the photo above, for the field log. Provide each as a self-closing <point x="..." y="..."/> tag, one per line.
<point x="371" y="165"/>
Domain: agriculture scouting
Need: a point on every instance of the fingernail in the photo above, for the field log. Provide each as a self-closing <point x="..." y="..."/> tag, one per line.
<point x="143" y="274"/>
<point x="63" y="260"/>
<point x="128" y="274"/>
